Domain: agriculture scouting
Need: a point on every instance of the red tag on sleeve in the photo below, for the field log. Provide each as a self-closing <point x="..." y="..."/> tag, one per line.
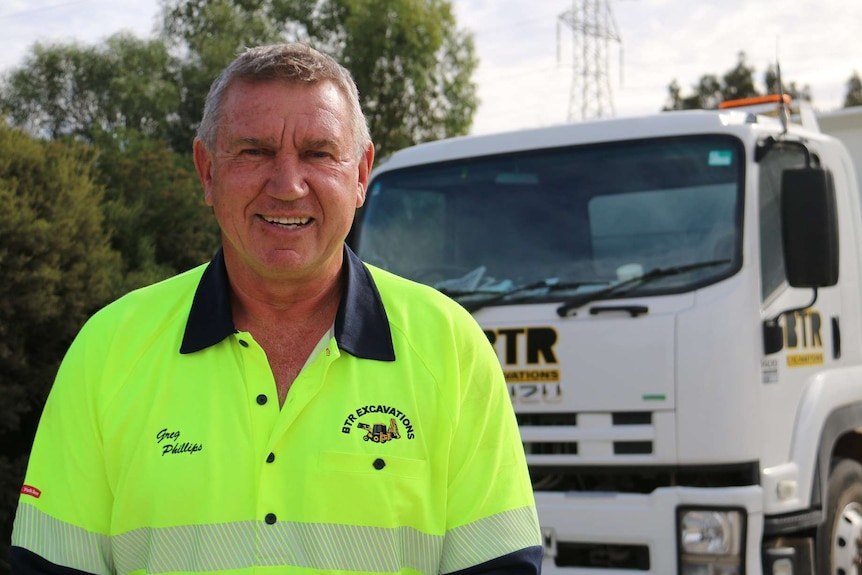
<point x="30" y="490"/>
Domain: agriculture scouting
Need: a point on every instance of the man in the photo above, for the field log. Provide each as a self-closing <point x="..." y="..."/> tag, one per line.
<point x="284" y="407"/>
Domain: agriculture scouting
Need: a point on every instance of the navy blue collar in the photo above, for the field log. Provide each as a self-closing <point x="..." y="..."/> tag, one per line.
<point x="361" y="325"/>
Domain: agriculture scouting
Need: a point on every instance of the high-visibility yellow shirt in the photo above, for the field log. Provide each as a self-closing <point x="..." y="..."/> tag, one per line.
<point x="162" y="447"/>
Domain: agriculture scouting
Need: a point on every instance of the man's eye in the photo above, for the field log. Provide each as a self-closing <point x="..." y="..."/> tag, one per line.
<point x="254" y="152"/>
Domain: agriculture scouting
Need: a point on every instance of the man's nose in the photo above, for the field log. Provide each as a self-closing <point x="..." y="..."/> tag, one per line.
<point x="287" y="181"/>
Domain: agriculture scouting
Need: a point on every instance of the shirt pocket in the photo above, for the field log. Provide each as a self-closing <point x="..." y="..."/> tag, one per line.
<point x="380" y="464"/>
<point x="378" y="489"/>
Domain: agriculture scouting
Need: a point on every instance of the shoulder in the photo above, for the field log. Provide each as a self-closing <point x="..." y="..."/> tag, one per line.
<point x="407" y="301"/>
<point x="431" y="325"/>
<point x="145" y="325"/>
<point x="146" y="308"/>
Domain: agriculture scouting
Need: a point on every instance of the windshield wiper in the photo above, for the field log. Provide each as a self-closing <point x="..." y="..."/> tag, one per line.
<point x="552" y="284"/>
<point x="632" y="283"/>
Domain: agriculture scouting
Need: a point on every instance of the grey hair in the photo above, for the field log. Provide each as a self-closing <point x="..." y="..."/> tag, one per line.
<point x="293" y="62"/>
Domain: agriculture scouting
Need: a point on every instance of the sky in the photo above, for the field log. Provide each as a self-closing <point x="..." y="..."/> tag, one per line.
<point x="526" y="48"/>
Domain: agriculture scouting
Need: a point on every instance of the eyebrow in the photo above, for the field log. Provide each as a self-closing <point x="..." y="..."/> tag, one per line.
<point x="315" y="143"/>
<point x="252" y="141"/>
<point x="322" y="143"/>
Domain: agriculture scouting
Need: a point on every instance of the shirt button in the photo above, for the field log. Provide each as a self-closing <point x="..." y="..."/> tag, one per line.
<point x="270" y="458"/>
<point x="270" y="518"/>
<point x="261" y="399"/>
<point x="243" y="343"/>
<point x="379" y="464"/>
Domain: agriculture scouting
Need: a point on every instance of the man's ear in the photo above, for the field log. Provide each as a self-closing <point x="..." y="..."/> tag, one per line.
<point x="204" y="166"/>
<point x="365" y="163"/>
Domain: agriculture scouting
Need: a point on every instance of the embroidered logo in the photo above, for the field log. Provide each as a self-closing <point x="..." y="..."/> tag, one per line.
<point x="169" y="441"/>
<point x="368" y="419"/>
<point x="31" y="491"/>
<point x="378" y="432"/>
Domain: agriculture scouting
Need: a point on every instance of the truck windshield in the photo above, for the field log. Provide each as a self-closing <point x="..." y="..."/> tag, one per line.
<point x="552" y="223"/>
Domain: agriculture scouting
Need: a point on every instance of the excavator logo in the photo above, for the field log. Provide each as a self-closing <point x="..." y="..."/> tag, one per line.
<point x="379" y="433"/>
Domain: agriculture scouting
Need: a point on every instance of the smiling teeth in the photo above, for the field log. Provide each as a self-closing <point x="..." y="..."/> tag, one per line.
<point x="288" y="221"/>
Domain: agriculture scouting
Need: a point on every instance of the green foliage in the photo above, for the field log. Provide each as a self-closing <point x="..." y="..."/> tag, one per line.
<point x="738" y="82"/>
<point x="153" y="206"/>
<point x="709" y="92"/>
<point x="211" y="33"/>
<point x="215" y="30"/>
<point x="411" y="63"/>
<point x="56" y="267"/>
<point x="55" y="259"/>
<point x="412" y="66"/>
<point x="70" y="90"/>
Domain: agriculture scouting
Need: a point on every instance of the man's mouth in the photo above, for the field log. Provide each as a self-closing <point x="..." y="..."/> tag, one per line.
<point x="287" y="222"/>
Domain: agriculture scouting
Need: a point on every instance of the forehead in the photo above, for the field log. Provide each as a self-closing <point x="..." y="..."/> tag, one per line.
<point x="276" y="106"/>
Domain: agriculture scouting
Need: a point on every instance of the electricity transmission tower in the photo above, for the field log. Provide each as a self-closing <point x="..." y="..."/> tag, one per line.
<point x="593" y="29"/>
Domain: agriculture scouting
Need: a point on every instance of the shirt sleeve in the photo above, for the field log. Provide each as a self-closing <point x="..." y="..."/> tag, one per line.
<point x="492" y="526"/>
<point x="63" y="518"/>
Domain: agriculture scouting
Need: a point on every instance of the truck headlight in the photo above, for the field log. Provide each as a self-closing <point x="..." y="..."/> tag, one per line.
<point x="711" y="541"/>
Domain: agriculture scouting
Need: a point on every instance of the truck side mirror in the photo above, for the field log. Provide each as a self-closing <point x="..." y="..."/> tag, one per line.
<point x="809" y="235"/>
<point x="809" y="227"/>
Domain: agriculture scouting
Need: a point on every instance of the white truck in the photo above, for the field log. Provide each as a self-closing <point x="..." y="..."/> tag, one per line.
<point x="676" y="301"/>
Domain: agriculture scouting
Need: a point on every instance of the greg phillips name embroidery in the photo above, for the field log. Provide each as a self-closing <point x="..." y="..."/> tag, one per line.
<point x="169" y="441"/>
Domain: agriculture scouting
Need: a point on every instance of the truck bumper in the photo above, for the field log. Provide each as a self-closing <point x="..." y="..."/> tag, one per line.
<point x="635" y="527"/>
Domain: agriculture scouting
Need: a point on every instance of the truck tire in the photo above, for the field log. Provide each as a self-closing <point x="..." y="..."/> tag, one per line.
<point x="838" y="547"/>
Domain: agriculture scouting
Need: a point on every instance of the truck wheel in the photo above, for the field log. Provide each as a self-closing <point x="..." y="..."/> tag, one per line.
<point x="839" y="538"/>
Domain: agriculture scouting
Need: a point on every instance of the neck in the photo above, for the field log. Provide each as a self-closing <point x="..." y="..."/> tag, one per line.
<point x="265" y="301"/>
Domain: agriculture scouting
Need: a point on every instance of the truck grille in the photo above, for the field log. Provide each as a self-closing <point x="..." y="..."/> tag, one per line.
<point x="620" y="452"/>
<point x="622" y="433"/>
<point x="603" y="556"/>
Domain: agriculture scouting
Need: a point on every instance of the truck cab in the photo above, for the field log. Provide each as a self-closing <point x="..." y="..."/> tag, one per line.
<point x="675" y="303"/>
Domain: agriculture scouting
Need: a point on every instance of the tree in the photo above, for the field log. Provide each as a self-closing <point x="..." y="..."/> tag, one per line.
<point x="411" y="64"/>
<point x="154" y="208"/>
<point x="709" y="92"/>
<point x="736" y="83"/>
<point x="56" y="268"/>
<point x="71" y="90"/>
<point x="707" y="95"/>
<point x="415" y="75"/>
<point x="854" y="91"/>
<point x="210" y="33"/>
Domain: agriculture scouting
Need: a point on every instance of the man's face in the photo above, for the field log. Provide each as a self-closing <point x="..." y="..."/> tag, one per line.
<point x="284" y="179"/>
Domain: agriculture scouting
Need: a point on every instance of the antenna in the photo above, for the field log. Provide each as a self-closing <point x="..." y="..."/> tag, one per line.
<point x="782" y="105"/>
<point x="783" y="113"/>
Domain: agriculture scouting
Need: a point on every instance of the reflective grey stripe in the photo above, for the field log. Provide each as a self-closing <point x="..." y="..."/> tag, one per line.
<point x="490" y="537"/>
<point x="60" y="542"/>
<point x="226" y="546"/>
<point x="349" y="547"/>
<point x="196" y="548"/>
<point x="186" y="548"/>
